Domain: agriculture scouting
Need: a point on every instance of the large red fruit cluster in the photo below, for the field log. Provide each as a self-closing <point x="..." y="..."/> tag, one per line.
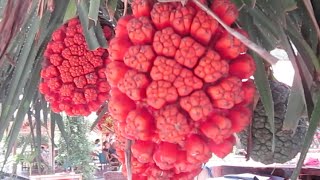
<point x="179" y="87"/>
<point x="73" y="77"/>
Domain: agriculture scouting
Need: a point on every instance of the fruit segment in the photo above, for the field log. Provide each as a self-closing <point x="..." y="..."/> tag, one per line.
<point x="118" y="47"/>
<point x="165" y="155"/>
<point x="230" y="47"/>
<point x="197" y="149"/>
<point x="115" y="72"/>
<point x="217" y="128"/>
<point x="197" y="105"/>
<point x="120" y="105"/>
<point x="203" y="27"/>
<point x="141" y="7"/>
<point x="140" y="30"/>
<point x="160" y="14"/>
<point x="224" y="148"/>
<point x="211" y="67"/>
<point x="134" y="85"/>
<point x="181" y="19"/>
<point x="226" y="93"/>
<point x="172" y="125"/>
<point x="139" y="125"/>
<point x="161" y="92"/>
<point x="143" y="151"/>
<point x="189" y="52"/>
<point x="243" y="66"/>
<point x="139" y="57"/>
<point x="166" y="42"/>
<point x="226" y="10"/>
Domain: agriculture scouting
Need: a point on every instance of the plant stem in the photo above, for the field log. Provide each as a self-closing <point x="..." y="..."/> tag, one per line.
<point x="128" y="159"/>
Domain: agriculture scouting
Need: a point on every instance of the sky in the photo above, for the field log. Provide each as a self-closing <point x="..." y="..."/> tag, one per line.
<point x="283" y="70"/>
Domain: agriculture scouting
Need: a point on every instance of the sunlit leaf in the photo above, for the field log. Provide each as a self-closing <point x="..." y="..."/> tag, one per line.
<point x="296" y="102"/>
<point x="295" y="107"/>
<point x="93" y="11"/>
<point x="261" y="80"/>
<point x="307" y="82"/>
<point x="263" y="21"/>
<point x="20" y="77"/>
<point x="94" y="35"/>
<point x="24" y="108"/>
<point x="267" y="31"/>
<point x="71" y="11"/>
<point x="302" y="46"/>
<point x="289" y="5"/>
<point x="33" y="61"/>
<point x="263" y="86"/>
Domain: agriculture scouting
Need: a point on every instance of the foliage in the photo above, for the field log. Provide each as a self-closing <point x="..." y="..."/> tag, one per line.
<point x="22" y="139"/>
<point x="290" y="25"/>
<point x="27" y="158"/>
<point x="74" y="151"/>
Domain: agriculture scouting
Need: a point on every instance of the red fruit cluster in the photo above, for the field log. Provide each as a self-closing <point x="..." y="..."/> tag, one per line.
<point x="73" y="77"/>
<point x="180" y="87"/>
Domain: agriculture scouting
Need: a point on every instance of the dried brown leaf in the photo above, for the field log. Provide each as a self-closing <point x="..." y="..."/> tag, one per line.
<point x="10" y="25"/>
<point x="128" y="159"/>
<point x="125" y="2"/>
<point x="50" y="5"/>
<point x="40" y="9"/>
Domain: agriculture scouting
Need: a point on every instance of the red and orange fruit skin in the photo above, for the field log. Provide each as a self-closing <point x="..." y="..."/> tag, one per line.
<point x="72" y="77"/>
<point x="181" y="86"/>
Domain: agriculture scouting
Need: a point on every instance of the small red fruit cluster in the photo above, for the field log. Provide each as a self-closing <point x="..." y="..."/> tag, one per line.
<point x="180" y="87"/>
<point x="73" y="77"/>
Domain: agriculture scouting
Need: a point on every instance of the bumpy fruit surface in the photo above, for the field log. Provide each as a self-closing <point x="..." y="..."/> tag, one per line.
<point x="180" y="87"/>
<point x="226" y="10"/>
<point x="287" y="143"/>
<point x="73" y="77"/>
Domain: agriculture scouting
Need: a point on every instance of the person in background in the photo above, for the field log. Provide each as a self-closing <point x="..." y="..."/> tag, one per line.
<point x="96" y="149"/>
<point x="44" y="155"/>
<point x="112" y="150"/>
<point x="110" y="137"/>
<point x="105" y="146"/>
<point x="112" y="156"/>
<point x="97" y="142"/>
